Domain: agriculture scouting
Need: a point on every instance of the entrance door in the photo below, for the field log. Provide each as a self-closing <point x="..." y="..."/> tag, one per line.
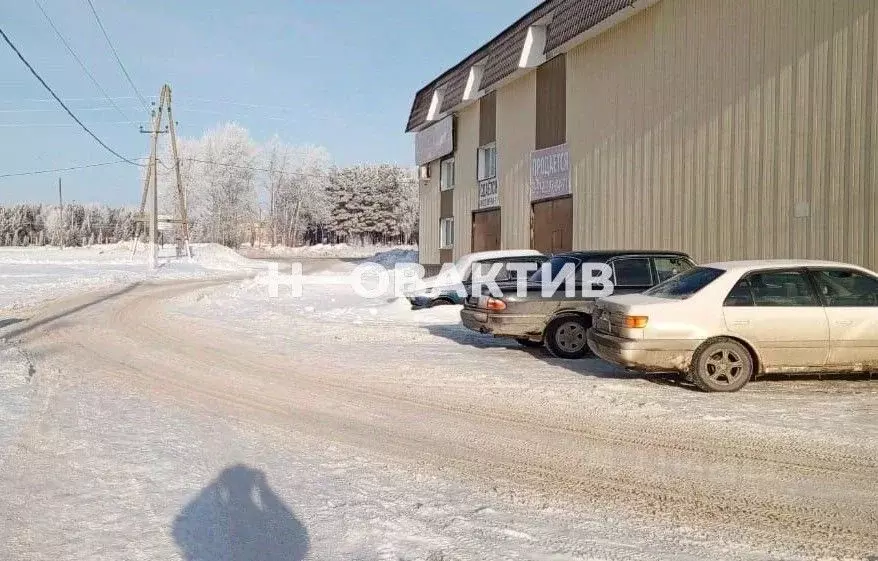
<point x="553" y="225"/>
<point x="486" y="230"/>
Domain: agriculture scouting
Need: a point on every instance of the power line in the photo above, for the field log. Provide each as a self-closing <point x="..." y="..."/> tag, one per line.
<point x="78" y="60"/>
<point x="58" y="99"/>
<point x="50" y="110"/>
<point x="116" y="54"/>
<point x="71" y="168"/>
<point x="49" y="99"/>
<point x="28" y="125"/>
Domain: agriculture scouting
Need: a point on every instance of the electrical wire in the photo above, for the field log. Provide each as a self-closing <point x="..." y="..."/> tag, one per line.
<point x="78" y="60"/>
<point x="116" y="54"/>
<point x="51" y="110"/>
<point x="58" y="99"/>
<point x="71" y="168"/>
<point x="50" y="100"/>
<point x="30" y="125"/>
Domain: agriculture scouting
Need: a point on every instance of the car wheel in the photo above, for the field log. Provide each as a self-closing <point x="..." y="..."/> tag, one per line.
<point x="440" y="302"/>
<point x="524" y="342"/>
<point x="721" y="365"/>
<point x="566" y="337"/>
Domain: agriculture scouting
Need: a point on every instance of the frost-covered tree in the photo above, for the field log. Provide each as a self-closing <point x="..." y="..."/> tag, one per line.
<point x="295" y="189"/>
<point x="372" y="203"/>
<point x="35" y="224"/>
<point x="217" y="172"/>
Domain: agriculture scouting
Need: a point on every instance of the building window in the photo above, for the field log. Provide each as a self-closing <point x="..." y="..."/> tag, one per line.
<point x="424" y="172"/>
<point x="446" y="174"/>
<point x="487" y="162"/>
<point x="446" y="233"/>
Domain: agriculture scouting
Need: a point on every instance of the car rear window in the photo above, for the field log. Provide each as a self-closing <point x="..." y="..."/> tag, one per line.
<point x="685" y="284"/>
<point x="556" y="263"/>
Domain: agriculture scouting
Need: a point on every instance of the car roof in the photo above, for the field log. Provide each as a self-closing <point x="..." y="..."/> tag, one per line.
<point x="610" y="253"/>
<point x="759" y="264"/>
<point x="500" y="253"/>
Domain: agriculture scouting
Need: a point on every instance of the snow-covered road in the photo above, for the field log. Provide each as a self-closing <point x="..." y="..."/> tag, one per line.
<point x="198" y="419"/>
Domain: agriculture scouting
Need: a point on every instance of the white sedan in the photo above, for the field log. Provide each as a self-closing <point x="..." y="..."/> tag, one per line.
<point x="723" y="323"/>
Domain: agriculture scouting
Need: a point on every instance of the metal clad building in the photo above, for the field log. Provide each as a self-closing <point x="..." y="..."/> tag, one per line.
<point x="725" y="128"/>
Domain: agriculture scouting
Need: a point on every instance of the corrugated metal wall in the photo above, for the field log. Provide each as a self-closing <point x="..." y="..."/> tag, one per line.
<point x="466" y="188"/>
<point x="516" y="103"/>
<point x="725" y="128"/>
<point x="428" y="226"/>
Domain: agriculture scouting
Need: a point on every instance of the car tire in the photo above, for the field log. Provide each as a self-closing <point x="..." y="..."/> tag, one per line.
<point x="440" y="302"/>
<point x="566" y="337"/>
<point x="721" y="365"/>
<point x="525" y="342"/>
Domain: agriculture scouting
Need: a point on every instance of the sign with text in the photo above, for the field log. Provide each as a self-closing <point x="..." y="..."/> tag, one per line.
<point x="434" y="141"/>
<point x="489" y="196"/>
<point x="550" y="172"/>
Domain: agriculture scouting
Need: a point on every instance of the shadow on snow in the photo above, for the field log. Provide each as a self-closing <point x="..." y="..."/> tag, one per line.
<point x="239" y="518"/>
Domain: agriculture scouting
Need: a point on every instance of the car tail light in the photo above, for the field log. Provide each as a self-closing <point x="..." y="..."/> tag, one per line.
<point x="636" y="322"/>
<point x="495" y="304"/>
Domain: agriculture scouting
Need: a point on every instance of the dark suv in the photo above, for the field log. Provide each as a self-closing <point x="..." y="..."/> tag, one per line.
<point x="558" y="320"/>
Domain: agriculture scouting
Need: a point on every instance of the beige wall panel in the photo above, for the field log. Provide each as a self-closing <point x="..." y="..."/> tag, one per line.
<point x="871" y="159"/>
<point x="516" y="120"/>
<point x="786" y="95"/>
<point x="803" y="123"/>
<point x="838" y="164"/>
<point x="702" y="126"/>
<point x="818" y="185"/>
<point x="428" y="226"/>
<point x="855" y="240"/>
<point x="740" y="48"/>
<point x="466" y="188"/>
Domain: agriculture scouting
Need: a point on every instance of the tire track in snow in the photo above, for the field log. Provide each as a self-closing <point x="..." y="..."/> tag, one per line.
<point x="200" y="366"/>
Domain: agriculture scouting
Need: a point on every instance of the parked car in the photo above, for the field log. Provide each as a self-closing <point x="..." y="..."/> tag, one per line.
<point x="442" y="288"/>
<point x="724" y="323"/>
<point x="560" y="321"/>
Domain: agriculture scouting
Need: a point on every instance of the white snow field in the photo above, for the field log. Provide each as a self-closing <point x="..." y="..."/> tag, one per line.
<point x="30" y="275"/>
<point x="200" y="419"/>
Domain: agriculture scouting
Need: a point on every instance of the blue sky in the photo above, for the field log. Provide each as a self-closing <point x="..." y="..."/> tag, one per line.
<point x="340" y="74"/>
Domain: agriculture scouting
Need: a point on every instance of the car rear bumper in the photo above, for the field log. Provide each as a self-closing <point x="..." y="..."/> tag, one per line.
<point x="648" y="355"/>
<point x="502" y="325"/>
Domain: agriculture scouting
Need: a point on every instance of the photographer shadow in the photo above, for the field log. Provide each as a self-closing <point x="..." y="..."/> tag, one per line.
<point x="239" y="518"/>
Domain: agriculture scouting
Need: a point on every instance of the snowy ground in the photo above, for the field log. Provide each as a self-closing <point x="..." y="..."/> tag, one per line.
<point x="200" y="419"/>
<point x="32" y="275"/>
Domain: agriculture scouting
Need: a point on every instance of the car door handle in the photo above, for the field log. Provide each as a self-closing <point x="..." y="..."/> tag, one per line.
<point x="844" y="323"/>
<point x="741" y="322"/>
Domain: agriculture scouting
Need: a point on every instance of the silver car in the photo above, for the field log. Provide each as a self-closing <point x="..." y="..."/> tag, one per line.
<point x="723" y="323"/>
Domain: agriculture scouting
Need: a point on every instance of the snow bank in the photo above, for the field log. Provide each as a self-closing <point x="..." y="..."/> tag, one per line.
<point x="218" y="257"/>
<point x="395" y="257"/>
<point x="31" y="275"/>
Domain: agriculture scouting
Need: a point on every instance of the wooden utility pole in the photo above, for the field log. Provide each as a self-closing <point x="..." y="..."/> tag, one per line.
<point x="181" y="192"/>
<point x="151" y="180"/>
<point x="61" y="206"/>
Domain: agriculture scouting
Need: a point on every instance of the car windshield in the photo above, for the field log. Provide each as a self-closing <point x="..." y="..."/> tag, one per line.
<point x="685" y="284"/>
<point x="555" y="264"/>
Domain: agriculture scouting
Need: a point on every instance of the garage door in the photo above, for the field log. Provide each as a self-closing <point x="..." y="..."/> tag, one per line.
<point x="486" y="230"/>
<point x="553" y="225"/>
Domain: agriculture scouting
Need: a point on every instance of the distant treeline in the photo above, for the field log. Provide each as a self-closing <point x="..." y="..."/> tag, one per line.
<point x="79" y="224"/>
<point x="239" y="191"/>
